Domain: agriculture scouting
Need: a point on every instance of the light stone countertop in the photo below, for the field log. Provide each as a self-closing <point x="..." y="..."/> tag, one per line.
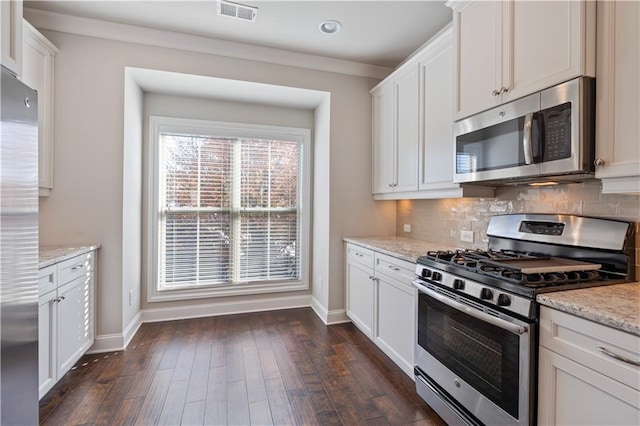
<point x="400" y="247"/>
<point x="48" y="255"/>
<point x="617" y="306"/>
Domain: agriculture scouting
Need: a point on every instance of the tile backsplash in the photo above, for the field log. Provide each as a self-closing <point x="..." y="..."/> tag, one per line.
<point x="442" y="220"/>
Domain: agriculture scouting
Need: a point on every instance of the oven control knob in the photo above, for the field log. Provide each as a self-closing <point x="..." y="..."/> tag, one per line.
<point x="486" y="294"/>
<point x="504" y="300"/>
<point x="458" y="284"/>
<point x="436" y="276"/>
<point x="426" y="273"/>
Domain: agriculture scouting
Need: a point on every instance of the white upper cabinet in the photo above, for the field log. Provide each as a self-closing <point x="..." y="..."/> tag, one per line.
<point x="395" y="133"/>
<point x="37" y="72"/>
<point x="413" y="128"/>
<point x="406" y="159"/>
<point x="11" y="35"/>
<point x="618" y="94"/>
<point x="509" y="49"/>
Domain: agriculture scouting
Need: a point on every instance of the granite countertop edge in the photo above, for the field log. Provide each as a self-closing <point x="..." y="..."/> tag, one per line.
<point x="50" y="255"/>
<point x="616" y="306"/>
<point x="399" y="247"/>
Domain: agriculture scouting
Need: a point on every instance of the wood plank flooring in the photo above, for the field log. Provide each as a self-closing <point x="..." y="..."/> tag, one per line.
<point x="279" y="367"/>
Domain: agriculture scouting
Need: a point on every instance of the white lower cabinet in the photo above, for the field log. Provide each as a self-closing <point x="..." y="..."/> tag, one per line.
<point x="381" y="302"/>
<point x="47" y="329"/>
<point x="579" y="384"/>
<point x="360" y="288"/>
<point x="65" y="317"/>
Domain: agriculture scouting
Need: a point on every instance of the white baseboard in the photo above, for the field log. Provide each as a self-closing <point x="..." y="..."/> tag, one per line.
<point x="119" y="341"/>
<point x="107" y="343"/>
<point x="131" y="329"/>
<point x="225" y="308"/>
<point x="337" y="316"/>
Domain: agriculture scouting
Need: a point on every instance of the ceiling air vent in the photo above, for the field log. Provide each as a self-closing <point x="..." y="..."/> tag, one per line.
<point x="237" y="11"/>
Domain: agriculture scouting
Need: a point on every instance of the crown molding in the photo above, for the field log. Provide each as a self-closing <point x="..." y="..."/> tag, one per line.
<point x="45" y="20"/>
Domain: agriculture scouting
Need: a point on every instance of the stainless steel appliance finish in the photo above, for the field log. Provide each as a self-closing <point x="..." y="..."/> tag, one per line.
<point x="476" y="333"/>
<point x="18" y="253"/>
<point x="545" y="136"/>
<point x="567" y="230"/>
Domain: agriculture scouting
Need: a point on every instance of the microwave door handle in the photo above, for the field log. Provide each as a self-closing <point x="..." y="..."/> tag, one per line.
<point x="527" y="146"/>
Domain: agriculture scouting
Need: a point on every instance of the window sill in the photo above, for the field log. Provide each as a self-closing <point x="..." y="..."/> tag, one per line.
<point x="226" y="291"/>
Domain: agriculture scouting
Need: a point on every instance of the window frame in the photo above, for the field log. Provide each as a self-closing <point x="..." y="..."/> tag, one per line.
<point x="160" y="124"/>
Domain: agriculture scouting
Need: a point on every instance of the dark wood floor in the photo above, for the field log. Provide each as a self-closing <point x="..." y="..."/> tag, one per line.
<point x="280" y="367"/>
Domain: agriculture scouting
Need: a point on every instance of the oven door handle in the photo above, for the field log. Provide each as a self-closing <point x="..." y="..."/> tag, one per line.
<point x="498" y="322"/>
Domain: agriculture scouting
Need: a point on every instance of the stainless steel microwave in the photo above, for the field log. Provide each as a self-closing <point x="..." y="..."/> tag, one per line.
<point x="547" y="136"/>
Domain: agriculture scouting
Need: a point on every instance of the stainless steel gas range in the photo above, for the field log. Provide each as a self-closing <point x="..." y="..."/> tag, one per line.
<point x="476" y="333"/>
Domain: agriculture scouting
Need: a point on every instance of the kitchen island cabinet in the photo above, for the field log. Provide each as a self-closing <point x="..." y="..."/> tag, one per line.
<point x="508" y="49"/>
<point x="618" y="93"/>
<point x="66" y="311"/>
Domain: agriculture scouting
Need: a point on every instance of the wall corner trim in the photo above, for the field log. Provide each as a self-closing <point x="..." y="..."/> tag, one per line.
<point x="337" y="316"/>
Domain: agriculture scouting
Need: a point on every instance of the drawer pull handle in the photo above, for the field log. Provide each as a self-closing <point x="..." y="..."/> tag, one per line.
<point x="77" y="267"/>
<point x="60" y="299"/>
<point x="359" y="254"/>
<point x="607" y="352"/>
<point x="393" y="268"/>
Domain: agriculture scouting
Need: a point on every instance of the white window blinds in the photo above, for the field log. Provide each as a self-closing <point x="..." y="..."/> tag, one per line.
<point x="229" y="210"/>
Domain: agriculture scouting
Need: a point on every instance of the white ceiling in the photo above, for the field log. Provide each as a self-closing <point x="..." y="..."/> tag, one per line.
<point x="373" y="32"/>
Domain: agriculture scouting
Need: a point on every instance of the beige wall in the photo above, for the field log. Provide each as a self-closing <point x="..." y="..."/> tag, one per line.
<point x="442" y="220"/>
<point x="86" y="204"/>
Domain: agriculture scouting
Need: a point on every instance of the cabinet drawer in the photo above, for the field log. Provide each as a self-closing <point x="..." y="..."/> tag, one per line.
<point x="360" y="255"/>
<point x="579" y="339"/>
<point x="400" y="270"/>
<point x="47" y="279"/>
<point x="75" y="267"/>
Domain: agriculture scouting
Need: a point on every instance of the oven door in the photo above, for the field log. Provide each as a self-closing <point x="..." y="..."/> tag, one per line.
<point x="476" y="357"/>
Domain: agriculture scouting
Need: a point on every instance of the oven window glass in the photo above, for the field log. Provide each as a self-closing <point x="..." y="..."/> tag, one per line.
<point x="495" y="147"/>
<point x="483" y="355"/>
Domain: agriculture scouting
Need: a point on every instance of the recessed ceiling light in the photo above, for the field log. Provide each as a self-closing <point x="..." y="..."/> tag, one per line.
<point x="330" y="27"/>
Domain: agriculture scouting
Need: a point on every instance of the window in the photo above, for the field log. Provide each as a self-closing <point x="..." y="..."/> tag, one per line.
<point x="230" y="207"/>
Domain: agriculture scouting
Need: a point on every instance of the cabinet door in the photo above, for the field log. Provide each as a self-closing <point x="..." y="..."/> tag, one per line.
<point x="47" y="326"/>
<point x="360" y="294"/>
<point x="75" y="321"/>
<point x="436" y="139"/>
<point x="478" y="62"/>
<point x="395" y="321"/>
<point x="572" y="394"/>
<point x="11" y="35"/>
<point x="383" y="139"/>
<point x="545" y="43"/>
<point x="37" y="73"/>
<point x="406" y="115"/>
<point x="618" y="94"/>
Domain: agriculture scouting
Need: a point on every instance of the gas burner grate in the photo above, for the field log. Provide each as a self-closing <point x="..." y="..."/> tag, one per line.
<point x="476" y="261"/>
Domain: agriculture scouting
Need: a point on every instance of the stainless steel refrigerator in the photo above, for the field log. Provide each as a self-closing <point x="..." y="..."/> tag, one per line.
<point x="18" y="253"/>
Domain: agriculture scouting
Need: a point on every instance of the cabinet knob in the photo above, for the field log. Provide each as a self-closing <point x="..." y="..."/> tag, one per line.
<point x="598" y="162"/>
<point x="495" y="93"/>
<point x="503" y="90"/>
